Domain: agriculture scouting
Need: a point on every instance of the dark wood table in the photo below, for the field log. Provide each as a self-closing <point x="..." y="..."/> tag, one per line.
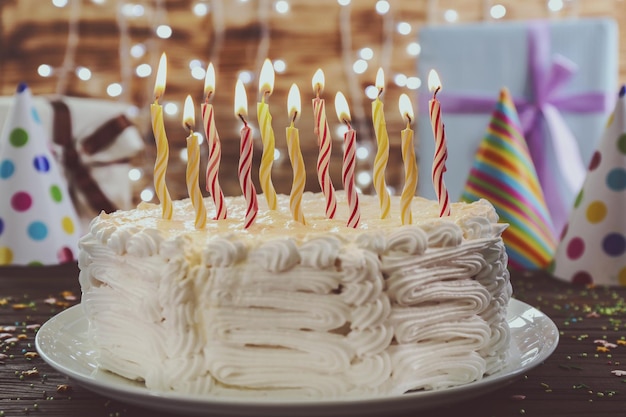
<point x="579" y="379"/>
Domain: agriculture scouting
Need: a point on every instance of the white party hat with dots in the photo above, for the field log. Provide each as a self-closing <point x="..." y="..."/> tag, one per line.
<point x="593" y="246"/>
<point x="38" y="222"/>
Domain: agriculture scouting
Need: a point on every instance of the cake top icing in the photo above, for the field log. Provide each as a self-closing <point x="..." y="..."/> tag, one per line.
<point x="475" y="219"/>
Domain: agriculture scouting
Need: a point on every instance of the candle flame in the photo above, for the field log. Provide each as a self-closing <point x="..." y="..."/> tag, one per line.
<point x="293" y="103"/>
<point x="266" y="79"/>
<point x="189" y="118"/>
<point x="341" y="107"/>
<point x="241" y="100"/>
<point x="318" y="81"/>
<point x="380" y="79"/>
<point x="209" y="81"/>
<point x="406" y="108"/>
<point x="434" y="84"/>
<point x="161" y="75"/>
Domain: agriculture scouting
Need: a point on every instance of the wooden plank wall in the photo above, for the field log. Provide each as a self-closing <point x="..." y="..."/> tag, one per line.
<point x="236" y="35"/>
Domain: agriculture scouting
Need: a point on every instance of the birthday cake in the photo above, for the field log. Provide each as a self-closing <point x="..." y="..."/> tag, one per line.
<point x="283" y="309"/>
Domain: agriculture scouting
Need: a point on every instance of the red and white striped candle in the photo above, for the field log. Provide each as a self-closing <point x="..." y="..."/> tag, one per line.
<point x="441" y="149"/>
<point x="215" y="147"/>
<point x="325" y="144"/>
<point x="349" y="161"/>
<point x="245" y="156"/>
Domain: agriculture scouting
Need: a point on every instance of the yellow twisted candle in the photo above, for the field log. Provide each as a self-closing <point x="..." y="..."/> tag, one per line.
<point x="382" y="155"/>
<point x="193" y="165"/>
<point x="162" y="147"/>
<point x="266" y="86"/>
<point x="408" y="157"/>
<point x="295" y="155"/>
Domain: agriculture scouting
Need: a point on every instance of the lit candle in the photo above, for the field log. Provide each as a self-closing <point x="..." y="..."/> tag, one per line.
<point x="266" y="86"/>
<point x="382" y="154"/>
<point x="162" y="147"/>
<point x="441" y="150"/>
<point x="295" y="155"/>
<point x="215" y="147"/>
<point x="349" y="161"/>
<point x="193" y="165"/>
<point x="245" y="156"/>
<point x="408" y="157"/>
<point x="325" y="144"/>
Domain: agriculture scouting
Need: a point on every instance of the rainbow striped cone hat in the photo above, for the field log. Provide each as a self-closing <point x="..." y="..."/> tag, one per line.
<point x="38" y="222"/>
<point x="504" y="174"/>
<point x="593" y="247"/>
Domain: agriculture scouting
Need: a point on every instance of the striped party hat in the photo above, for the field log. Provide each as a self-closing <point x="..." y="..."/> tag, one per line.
<point x="504" y="174"/>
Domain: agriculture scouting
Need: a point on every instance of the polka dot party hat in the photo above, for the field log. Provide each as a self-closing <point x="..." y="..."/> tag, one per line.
<point x="593" y="247"/>
<point x="38" y="222"/>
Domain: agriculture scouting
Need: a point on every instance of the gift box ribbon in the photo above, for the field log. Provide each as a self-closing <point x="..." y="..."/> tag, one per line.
<point x="548" y="76"/>
<point x="99" y="140"/>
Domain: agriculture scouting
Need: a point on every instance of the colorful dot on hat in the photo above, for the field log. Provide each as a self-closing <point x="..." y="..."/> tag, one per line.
<point x="41" y="163"/>
<point x="579" y="198"/>
<point x="55" y="193"/>
<point x="614" y="244"/>
<point x="621" y="143"/>
<point x="616" y="179"/>
<point x="575" y="248"/>
<point x="582" y="278"/>
<point x="21" y="201"/>
<point x="596" y="211"/>
<point x="35" y="115"/>
<point x="65" y="255"/>
<point x="621" y="276"/>
<point x="7" y="168"/>
<point x="6" y="255"/>
<point x="595" y="160"/>
<point x="68" y="225"/>
<point x="18" y="137"/>
<point x="37" y="230"/>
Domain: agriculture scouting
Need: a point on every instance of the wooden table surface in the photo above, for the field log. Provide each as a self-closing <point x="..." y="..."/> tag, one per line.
<point x="580" y="379"/>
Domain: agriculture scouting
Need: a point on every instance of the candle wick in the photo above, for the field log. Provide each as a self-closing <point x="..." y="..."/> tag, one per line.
<point x="380" y="92"/>
<point x="295" y="115"/>
<point x="347" y="122"/>
<point x="265" y="93"/>
<point x="242" y="119"/>
<point x="408" y="122"/>
<point x="436" y="91"/>
<point x="208" y="96"/>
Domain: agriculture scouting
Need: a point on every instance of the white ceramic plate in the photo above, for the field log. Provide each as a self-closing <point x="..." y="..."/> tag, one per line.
<point x="62" y="342"/>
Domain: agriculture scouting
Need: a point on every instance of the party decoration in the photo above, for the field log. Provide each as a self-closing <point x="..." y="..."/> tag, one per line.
<point x="593" y="247"/>
<point x="38" y="222"/>
<point x="504" y="174"/>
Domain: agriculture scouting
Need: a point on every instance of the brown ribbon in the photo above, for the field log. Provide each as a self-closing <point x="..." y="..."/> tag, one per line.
<point x="77" y="172"/>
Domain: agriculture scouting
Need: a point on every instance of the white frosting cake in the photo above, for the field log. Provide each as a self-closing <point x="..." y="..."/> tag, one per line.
<point x="284" y="309"/>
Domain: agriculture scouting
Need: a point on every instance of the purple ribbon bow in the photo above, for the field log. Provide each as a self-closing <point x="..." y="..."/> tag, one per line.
<point x="544" y="109"/>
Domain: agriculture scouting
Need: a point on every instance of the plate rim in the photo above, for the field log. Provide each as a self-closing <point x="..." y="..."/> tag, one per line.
<point x="169" y="401"/>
